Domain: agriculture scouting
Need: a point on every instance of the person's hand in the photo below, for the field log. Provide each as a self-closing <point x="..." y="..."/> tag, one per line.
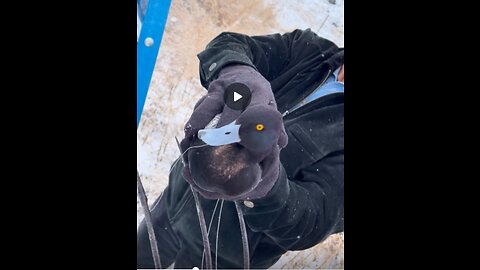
<point x="248" y="166"/>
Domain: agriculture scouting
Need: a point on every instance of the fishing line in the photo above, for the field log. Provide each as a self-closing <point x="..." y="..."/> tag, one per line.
<point x="203" y="229"/>
<point x="243" y="231"/>
<point x="180" y="157"/>
<point x="201" y="216"/>
<point x="210" y="226"/>
<point x="216" y="239"/>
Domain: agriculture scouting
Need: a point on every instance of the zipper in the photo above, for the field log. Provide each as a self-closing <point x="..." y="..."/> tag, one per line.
<point x="320" y="85"/>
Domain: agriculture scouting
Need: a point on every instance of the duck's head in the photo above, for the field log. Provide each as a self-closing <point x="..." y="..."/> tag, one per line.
<point x="257" y="129"/>
<point x="231" y="164"/>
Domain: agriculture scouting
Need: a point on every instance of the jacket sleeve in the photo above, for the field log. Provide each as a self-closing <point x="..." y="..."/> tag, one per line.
<point x="269" y="54"/>
<point x="300" y="213"/>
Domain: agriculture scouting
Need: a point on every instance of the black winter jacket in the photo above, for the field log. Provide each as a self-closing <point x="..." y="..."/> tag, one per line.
<point x="305" y="205"/>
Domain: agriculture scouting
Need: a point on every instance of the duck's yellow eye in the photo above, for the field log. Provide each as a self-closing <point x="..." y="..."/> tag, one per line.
<point x="259" y="127"/>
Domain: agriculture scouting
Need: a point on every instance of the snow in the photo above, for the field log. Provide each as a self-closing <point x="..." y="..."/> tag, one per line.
<point x="175" y="86"/>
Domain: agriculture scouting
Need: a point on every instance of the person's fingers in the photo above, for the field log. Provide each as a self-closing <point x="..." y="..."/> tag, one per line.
<point x="184" y="143"/>
<point x="199" y="101"/>
<point x="228" y="115"/>
<point x="205" y="110"/>
<point x="211" y="105"/>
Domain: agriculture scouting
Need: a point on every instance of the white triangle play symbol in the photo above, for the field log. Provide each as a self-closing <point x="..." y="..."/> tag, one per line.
<point x="236" y="96"/>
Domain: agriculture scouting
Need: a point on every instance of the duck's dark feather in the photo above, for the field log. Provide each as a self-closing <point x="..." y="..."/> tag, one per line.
<point x="226" y="170"/>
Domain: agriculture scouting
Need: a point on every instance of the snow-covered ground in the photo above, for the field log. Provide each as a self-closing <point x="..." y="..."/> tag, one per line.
<point x="175" y="85"/>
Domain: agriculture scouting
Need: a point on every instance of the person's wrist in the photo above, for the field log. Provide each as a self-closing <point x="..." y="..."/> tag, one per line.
<point x="235" y="71"/>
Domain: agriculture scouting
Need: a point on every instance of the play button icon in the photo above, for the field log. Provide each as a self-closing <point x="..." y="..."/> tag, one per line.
<point x="237" y="96"/>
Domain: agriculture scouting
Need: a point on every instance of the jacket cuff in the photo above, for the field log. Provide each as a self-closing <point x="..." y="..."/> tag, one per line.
<point x="211" y="65"/>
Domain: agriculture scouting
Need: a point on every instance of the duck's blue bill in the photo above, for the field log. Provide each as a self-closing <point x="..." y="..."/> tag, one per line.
<point x="220" y="136"/>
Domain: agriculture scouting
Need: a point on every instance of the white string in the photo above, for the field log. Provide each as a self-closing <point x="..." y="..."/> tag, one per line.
<point x="180" y="157"/>
<point x="218" y="229"/>
<point x="243" y="232"/>
<point x="173" y="166"/>
<point x="210" y="226"/>
<point x="203" y="229"/>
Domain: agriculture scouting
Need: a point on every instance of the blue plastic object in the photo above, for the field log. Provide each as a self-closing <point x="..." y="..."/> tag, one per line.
<point x="153" y="25"/>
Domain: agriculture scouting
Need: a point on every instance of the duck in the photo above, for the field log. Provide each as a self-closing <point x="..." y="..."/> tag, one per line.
<point x="232" y="161"/>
